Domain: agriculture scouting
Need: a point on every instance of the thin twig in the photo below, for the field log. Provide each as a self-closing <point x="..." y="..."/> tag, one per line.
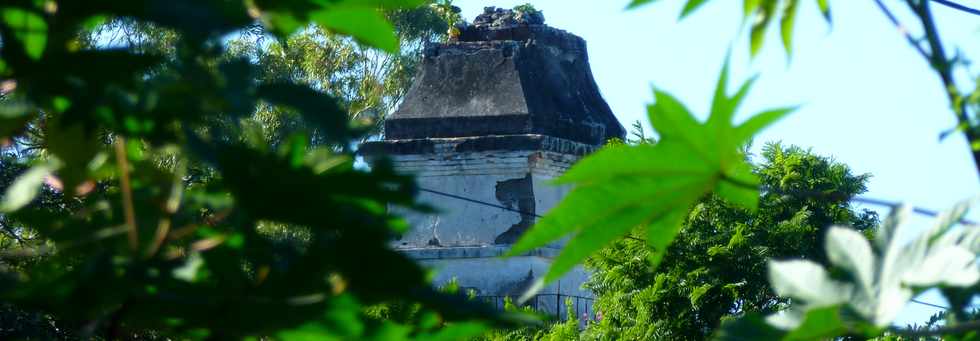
<point x="902" y="30"/>
<point x="944" y="67"/>
<point x="127" y="193"/>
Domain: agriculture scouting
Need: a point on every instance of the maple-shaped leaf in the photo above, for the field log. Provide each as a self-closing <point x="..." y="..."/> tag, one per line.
<point x="623" y="187"/>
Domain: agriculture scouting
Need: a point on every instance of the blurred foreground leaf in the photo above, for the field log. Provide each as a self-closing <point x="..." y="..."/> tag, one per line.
<point x="624" y="187"/>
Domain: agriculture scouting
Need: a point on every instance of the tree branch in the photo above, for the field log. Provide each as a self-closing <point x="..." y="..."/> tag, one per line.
<point x="960" y="328"/>
<point x="944" y="67"/>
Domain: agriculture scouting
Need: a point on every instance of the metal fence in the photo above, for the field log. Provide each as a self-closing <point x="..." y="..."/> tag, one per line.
<point x="550" y="304"/>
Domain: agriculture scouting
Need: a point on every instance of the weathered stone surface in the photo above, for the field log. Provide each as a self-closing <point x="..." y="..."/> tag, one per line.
<point x="493" y="118"/>
<point x="475" y="144"/>
<point x="494" y="17"/>
<point x="506" y="78"/>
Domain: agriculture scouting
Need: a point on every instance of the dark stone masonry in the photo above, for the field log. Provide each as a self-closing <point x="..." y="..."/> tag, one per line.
<point x="494" y="116"/>
<point x="506" y="74"/>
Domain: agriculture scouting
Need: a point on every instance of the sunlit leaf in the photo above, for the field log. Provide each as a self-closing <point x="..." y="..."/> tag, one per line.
<point x="637" y="3"/>
<point x="749" y="7"/>
<point x="851" y="251"/>
<point x="25" y="188"/>
<point x="691" y="6"/>
<point x="28" y="27"/>
<point x="760" y="23"/>
<point x="807" y="281"/>
<point x="786" y="24"/>
<point x="367" y="25"/>
<point x="689" y="160"/>
<point x="824" y="6"/>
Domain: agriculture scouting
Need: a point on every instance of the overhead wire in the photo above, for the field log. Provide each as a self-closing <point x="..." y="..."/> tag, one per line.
<point x="864" y="200"/>
<point x="957" y="6"/>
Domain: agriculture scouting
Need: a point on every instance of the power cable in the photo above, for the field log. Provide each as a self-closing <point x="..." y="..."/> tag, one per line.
<point x="929" y="304"/>
<point x="958" y="6"/>
<point x="864" y="200"/>
<point x="479" y="202"/>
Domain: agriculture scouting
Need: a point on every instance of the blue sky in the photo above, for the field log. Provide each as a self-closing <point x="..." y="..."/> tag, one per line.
<point x="868" y="99"/>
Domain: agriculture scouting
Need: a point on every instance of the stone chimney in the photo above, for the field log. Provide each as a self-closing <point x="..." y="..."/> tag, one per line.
<point x="492" y="117"/>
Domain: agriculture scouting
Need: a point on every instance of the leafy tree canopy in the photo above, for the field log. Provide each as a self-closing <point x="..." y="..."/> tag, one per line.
<point x="716" y="267"/>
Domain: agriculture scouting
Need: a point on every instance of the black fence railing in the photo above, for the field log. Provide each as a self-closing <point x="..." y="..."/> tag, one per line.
<point x="551" y="304"/>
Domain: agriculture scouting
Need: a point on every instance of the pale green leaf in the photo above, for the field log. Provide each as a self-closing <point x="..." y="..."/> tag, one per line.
<point x="29" y="28"/>
<point x="637" y="3"/>
<point x="366" y="25"/>
<point x="642" y="160"/>
<point x="950" y="266"/>
<point x="691" y="6"/>
<point x="851" y="251"/>
<point x="662" y="232"/>
<point x="824" y="6"/>
<point x="675" y="123"/>
<point x="735" y="101"/>
<point x="591" y="239"/>
<point x="623" y="187"/>
<point x="749" y="7"/>
<point x="752" y="126"/>
<point x="885" y="235"/>
<point x="786" y="24"/>
<point x="757" y="34"/>
<point x="720" y="115"/>
<point x="600" y="221"/>
<point x="188" y="271"/>
<point x="806" y="281"/>
<point x="25" y="188"/>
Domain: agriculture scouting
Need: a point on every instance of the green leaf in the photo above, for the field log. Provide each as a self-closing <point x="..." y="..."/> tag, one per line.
<point x="619" y="213"/>
<point x="749" y="327"/>
<point x="787" y="23"/>
<point x="28" y="27"/>
<point x="624" y="187"/>
<point x="765" y="14"/>
<point x="752" y="126"/>
<point x="851" y="251"/>
<point x="317" y="108"/>
<point x="749" y="7"/>
<point x="25" y="188"/>
<point x="14" y="116"/>
<point x="740" y="186"/>
<point x="75" y="148"/>
<point x="637" y="3"/>
<point x="806" y="281"/>
<point x="949" y="266"/>
<point x="366" y="25"/>
<point x="885" y="235"/>
<point x="824" y="6"/>
<point x="661" y="233"/>
<point x="639" y="160"/>
<point x="820" y="324"/>
<point x="455" y="331"/>
<point x="691" y="6"/>
<point x="699" y="292"/>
